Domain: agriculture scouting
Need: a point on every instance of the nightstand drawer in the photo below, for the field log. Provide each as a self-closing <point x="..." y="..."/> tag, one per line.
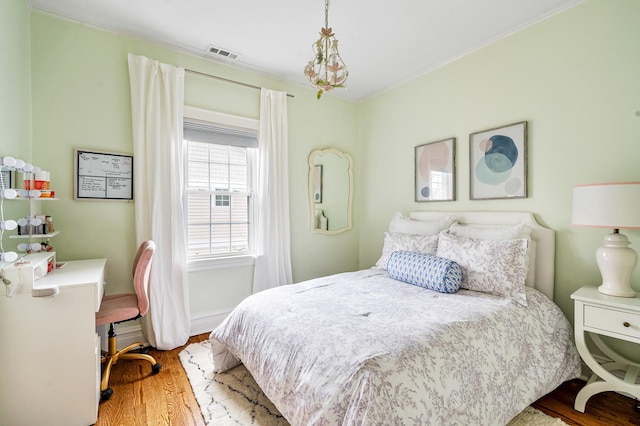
<point x="612" y="321"/>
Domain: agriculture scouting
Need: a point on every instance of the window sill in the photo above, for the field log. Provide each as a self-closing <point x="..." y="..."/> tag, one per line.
<point x="220" y="262"/>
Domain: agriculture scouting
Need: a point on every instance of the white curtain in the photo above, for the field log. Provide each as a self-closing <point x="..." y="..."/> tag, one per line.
<point x="157" y="103"/>
<point x="273" y="261"/>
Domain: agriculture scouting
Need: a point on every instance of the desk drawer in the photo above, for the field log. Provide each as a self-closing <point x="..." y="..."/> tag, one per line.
<point x="612" y="321"/>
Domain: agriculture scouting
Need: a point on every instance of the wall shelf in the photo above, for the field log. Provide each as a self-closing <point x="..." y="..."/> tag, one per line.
<point x="35" y="236"/>
<point x="35" y="199"/>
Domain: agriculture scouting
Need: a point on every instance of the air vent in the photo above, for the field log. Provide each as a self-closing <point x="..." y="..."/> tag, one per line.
<point x="222" y="53"/>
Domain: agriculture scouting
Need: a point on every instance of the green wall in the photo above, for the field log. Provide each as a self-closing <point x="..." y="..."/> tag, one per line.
<point x="574" y="77"/>
<point x="15" y="82"/>
<point x="15" y="96"/>
<point x="81" y="100"/>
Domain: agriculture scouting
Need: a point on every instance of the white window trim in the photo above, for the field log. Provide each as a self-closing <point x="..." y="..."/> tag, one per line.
<point x="220" y="262"/>
<point x="242" y="123"/>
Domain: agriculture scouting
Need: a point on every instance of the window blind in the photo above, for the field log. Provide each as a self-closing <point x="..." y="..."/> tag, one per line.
<point x="204" y="132"/>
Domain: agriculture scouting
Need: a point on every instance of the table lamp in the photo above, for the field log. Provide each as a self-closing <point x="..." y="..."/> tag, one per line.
<point x="616" y="206"/>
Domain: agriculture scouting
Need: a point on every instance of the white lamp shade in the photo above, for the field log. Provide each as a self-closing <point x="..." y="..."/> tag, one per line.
<point x="607" y="205"/>
<point x="614" y="206"/>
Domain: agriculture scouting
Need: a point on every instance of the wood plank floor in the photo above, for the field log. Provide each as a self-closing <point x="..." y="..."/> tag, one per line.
<point x="140" y="398"/>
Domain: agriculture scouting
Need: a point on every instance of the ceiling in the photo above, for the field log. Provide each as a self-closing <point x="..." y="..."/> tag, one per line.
<point x="383" y="43"/>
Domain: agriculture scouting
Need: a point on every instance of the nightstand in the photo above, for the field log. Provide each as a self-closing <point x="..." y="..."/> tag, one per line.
<point x="602" y="315"/>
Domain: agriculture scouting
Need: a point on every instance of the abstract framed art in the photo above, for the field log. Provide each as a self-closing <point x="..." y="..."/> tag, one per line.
<point x="498" y="162"/>
<point x="435" y="171"/>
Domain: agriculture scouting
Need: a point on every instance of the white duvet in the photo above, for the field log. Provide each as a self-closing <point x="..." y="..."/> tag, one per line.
<point x="361" y="348"/>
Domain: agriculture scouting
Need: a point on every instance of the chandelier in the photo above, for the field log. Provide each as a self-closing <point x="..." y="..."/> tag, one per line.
<point x="326" y="70"/>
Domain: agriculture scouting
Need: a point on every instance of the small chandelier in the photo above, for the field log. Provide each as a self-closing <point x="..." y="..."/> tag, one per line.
<point x="326" y="70"/>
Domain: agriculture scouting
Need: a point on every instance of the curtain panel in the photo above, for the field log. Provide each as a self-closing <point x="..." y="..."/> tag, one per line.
<point x="273" y="240"/>
<point x="157" y="104"/>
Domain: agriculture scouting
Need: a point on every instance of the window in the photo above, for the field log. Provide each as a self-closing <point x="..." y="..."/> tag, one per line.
<point x="222" y="200"/>
<point x="218" y="187"/>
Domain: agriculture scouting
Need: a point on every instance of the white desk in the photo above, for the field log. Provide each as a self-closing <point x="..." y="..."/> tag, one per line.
<point x="50" y="352"/>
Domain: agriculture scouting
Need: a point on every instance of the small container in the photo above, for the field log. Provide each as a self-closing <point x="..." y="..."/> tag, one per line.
<point x="27" y="180"/>
<point x="48" y="222"/>
<point x="24" y="228"/>
<point x="41" y="180"/>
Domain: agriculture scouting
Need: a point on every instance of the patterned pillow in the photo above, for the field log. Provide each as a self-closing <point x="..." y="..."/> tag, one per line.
<point x="502" y="232"/>
<point x="394" y="241"/>
<point x="490" y="266"/>
<point x="499" y="232"/>
<point x="434" y="273"/>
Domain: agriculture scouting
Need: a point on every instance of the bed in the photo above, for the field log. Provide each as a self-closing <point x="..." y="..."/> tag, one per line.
<point x="380" y="346"/>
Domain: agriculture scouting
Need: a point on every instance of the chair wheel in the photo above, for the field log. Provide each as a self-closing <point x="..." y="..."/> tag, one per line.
<point x="106" y="394"/>
<point x="156" y="367"/>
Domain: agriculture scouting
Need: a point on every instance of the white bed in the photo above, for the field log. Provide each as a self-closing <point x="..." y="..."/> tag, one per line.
<point x="363" y="348"/>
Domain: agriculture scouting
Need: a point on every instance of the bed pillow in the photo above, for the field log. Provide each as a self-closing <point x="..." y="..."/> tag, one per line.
<point x="404" y="225"/>
<point x="394" y="241"/>
<point x="491" y="232"/>
<point x="431" y="272"/>
<point x="502" y="232"/>
<point x="491" y="266"/>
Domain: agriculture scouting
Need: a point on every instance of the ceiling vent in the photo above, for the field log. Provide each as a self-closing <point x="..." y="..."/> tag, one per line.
<point x="219" y="52"/>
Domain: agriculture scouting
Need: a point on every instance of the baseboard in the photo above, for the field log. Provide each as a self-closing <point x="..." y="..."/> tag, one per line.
<point x="206" y="323"/>
<point x="127" y="335"/>
<point x="130" y="334"/>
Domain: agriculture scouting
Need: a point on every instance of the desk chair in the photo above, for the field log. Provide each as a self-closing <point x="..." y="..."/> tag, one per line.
<point x="118" y="308"/>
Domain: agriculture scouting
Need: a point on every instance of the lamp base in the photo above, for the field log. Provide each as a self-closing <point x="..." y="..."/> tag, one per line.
<point x="615" y="291"/>
<point x="616" y="262"/>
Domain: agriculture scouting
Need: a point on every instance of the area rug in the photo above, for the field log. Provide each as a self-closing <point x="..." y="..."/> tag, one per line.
<point x="234" y="398"/>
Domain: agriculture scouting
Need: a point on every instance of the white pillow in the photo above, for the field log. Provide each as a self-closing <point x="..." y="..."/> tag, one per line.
<point x="491" y="266"/>
<point x="490" y="232"/>
<point x="501" y="232"/>
<point x="404" y="225"/>
<point x="394" y="241"/>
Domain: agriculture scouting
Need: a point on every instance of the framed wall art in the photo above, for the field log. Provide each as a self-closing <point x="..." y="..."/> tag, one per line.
<point x="435" y="171"/>
<point x="102" y="175"/>
<point x="498" y="162"/>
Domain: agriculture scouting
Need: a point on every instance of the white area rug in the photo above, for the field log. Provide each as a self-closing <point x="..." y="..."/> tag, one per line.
<point x="234" y="398"/>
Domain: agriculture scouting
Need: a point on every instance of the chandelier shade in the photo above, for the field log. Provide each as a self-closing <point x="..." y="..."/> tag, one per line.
<point x="326" y="70"/>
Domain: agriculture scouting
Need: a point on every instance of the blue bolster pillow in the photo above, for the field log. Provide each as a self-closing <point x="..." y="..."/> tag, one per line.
<point x="435" y="273"/>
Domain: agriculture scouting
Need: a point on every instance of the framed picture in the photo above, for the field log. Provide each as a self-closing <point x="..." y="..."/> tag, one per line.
<point x="101" y="175"/>
<point x="435" y="171"/>
<point x="498" y="162"/>
<point x="317" y="184"/>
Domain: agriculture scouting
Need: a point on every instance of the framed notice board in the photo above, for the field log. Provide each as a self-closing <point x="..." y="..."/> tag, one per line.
<point x="102" y="175"/>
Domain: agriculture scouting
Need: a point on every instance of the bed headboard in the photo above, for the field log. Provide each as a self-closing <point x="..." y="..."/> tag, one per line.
<point x="544" y="238"/>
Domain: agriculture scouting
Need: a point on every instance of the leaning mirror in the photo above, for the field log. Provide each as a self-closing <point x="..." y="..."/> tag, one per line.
<point x="330" y="191"/>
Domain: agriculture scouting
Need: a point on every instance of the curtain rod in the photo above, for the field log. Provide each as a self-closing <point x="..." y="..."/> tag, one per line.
<point x="228" y="80"/>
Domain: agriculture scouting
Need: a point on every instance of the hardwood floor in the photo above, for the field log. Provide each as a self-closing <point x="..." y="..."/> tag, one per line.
<point x="140" y="398"/>
<point x="607" y="408"/>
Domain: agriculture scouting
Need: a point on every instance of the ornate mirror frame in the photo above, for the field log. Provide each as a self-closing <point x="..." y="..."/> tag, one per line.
<point x="316" y="186"/>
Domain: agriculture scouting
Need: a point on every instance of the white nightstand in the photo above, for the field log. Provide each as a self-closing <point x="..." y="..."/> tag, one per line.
<point x="618" y="317"/>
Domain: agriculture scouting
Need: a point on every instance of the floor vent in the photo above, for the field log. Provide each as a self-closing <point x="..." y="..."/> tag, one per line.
<point x="224" y="53"/>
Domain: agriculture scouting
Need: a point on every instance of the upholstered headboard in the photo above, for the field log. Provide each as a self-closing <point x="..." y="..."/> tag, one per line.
<point x="544" y="238"/>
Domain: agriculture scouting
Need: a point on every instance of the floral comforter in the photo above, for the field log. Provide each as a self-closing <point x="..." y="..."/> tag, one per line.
<point x="360" y="348"/>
